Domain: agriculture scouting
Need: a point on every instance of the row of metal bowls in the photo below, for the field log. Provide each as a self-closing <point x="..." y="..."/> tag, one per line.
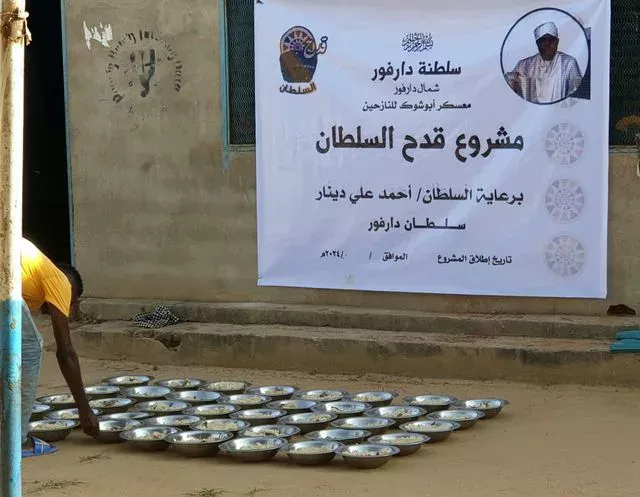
<point x="297" y="415"/>
<point x="343" y="414"/>
<point x="314" y="400"/>
<point x="319" y="448"/>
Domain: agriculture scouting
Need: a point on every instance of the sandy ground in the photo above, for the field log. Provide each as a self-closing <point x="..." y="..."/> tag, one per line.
<point x="552" y="441"/>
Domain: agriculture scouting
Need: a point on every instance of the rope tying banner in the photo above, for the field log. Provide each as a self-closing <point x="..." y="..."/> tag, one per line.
<point x="17" y="35"/>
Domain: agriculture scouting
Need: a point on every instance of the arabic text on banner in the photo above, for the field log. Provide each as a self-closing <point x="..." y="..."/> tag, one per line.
<point x="416" y="146"/>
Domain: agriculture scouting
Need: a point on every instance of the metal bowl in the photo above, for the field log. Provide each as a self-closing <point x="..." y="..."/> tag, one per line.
<point x="125" y="416"/>
<point x="374" y="399"/>
<point x="490" y="407"/>
<point x="257" y="417"/>
<point x="437" y="431"/>
<point x="39" y="411"/>
<point x="146" y="393"/>
<point x="180" y="421"/>
<point x="112" y="405"/>
<point x="71" y="414"/>
<point x="367" y="456"/>
<point x="162" y="407"/>
<point x="110" y="430"/>
<point x="227" y="387"/>
<point x="253" y="449"/>
<point x="312" y="452"/>
<point x="308" y="421"/>
<point x="321" y="395"/>
<point x="344" y="409"/>
<point x="276" y="392"/>
<point x="408" y="443"/>
<point x="52" y="430"/>
<point x="128" y="380"/>
<point x="376" y="426"/>
<point x="198" y="443"/>
<point x="400" y="414"/>
<point x="212" y="411"/>
<point x="181" y="383"/>
<point x="149" y="438"/>
<point x="229" y="425"/>
<point x="466" y="418"/>
<point x="59" y="401"/>
<point x="275" y="431"/>
<point x="102" y="391"/>
<point x="292" y="406"/>
<point x="246" y="400"/>
<point x="194" y="397"/>
<point x="346" y="437"/>
<point x="431" y="403"/>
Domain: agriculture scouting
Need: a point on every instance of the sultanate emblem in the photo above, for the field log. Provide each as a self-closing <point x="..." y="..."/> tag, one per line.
<point x="299" y="59"/>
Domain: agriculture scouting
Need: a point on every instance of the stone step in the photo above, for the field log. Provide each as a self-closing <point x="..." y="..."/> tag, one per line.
<point x="489" y="325"/>
<point x="332" y="350"/>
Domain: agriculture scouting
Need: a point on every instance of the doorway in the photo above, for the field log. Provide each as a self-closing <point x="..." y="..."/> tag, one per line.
<point x="46" y="195"/>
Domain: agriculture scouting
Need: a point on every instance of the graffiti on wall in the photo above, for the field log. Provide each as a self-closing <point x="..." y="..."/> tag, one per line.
<point x="139" y="62"/>
<point x="102" y="34"/>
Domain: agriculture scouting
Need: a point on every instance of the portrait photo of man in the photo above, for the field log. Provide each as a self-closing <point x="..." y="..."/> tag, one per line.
<point x="550" y="75"/>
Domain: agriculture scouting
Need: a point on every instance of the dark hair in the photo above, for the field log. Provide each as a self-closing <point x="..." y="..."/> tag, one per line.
<point x="73" y="275"/>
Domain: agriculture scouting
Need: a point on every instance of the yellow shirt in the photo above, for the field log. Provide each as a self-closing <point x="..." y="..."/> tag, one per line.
<point x="42" y="281"/>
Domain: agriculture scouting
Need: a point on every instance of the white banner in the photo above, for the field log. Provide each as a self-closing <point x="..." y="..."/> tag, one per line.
<point x="441" y="147"/>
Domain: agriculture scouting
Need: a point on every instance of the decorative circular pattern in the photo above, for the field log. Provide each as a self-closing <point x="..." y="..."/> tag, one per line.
<point x="565" y="255"/>
<point x="565" y="144"/>
<point x="564" y="200"/>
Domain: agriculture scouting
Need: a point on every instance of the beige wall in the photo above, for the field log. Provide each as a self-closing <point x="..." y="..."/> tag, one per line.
<point x="156" y="215"/>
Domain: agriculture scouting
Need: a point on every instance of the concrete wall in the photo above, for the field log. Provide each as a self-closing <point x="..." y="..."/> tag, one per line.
<point x="157" y="216"/>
